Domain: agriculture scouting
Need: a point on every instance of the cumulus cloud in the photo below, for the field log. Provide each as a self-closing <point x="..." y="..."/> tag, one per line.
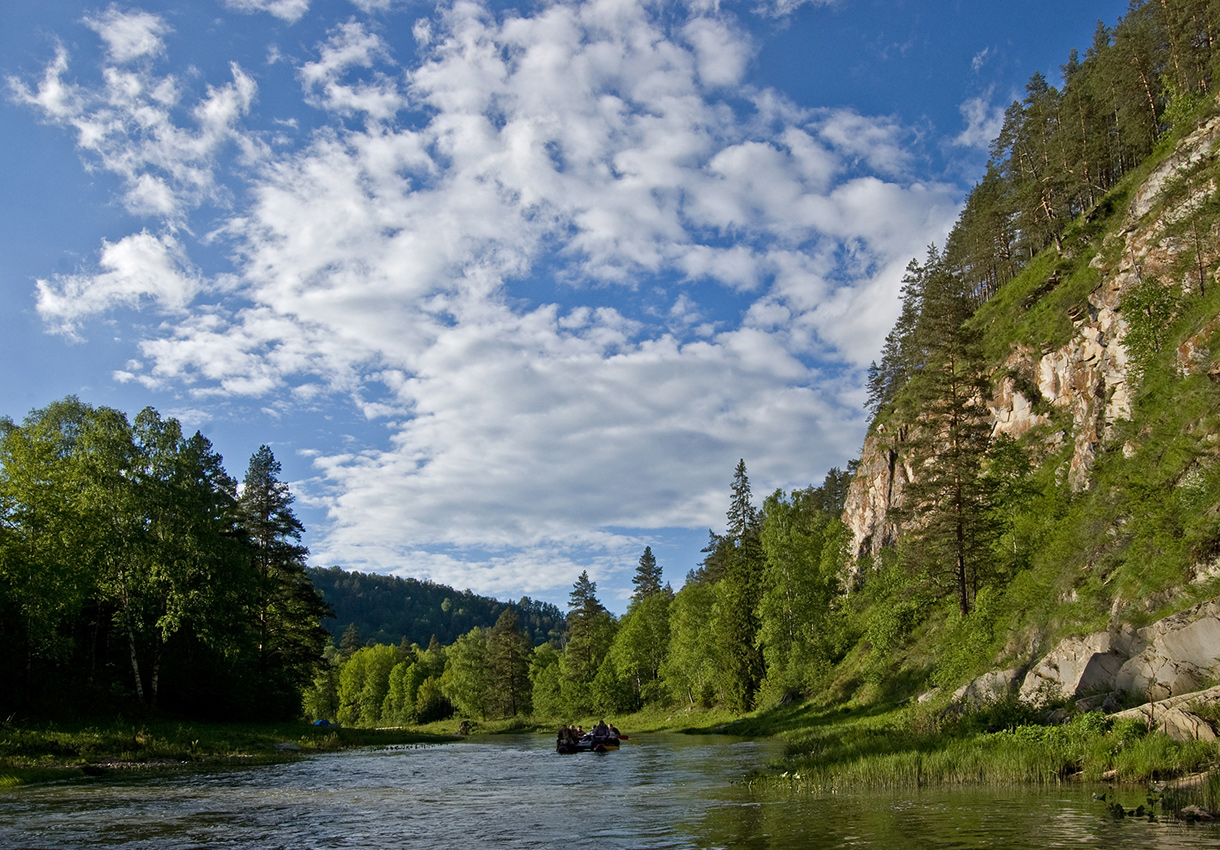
<point x="587" y="270"/>
<point x="287" y="10"/>
<point x="351" y="45"/>
<point x="131" y="124"/>
<point x="129" y="35"/>
<point x="138" y="269"/>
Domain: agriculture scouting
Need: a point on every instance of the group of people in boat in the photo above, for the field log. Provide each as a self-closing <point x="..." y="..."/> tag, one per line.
<point x="574" y="738"/>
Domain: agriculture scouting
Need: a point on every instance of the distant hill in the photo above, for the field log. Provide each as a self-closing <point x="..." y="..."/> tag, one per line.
<point x="386" y="609"/>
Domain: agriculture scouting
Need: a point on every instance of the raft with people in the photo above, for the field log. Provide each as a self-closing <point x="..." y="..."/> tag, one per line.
<point x="602" y="738"/>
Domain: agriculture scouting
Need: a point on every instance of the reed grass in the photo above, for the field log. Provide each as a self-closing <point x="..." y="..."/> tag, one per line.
<point x="895" y="751"/>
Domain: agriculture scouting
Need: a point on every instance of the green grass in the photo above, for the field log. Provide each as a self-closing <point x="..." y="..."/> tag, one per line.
<point x="870" y="749"/>
<point x="37" y="752"/>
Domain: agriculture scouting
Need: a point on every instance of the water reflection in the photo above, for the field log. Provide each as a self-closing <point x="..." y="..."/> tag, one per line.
<point x="663" y="791"/>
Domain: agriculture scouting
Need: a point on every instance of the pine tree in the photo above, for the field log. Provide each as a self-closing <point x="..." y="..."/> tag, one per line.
<point x="951" y="536"/>
<point x="742" y="591"/>
<point x="351" y="641"/>
<point x="287" y="609"/>
<point x="590" y="632"/>
<point x="647" y="578"/>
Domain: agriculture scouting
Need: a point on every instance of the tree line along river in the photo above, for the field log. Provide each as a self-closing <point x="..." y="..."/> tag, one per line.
<point x="659" y="791"/>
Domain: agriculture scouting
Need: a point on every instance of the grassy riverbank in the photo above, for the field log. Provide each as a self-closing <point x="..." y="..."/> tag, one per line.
<point x="849" y="747"/>
<point x="54" y="750"/>
<point x="843" y="748"/>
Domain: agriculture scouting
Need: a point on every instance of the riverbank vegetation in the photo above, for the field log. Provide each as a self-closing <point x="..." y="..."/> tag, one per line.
<point x="64" y="749"/>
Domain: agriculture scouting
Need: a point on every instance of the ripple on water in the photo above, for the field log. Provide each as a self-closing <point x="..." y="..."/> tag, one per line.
<point x="664" y="791"/>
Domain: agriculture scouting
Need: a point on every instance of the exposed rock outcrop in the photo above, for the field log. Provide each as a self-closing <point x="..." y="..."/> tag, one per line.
<point x="1184" y="718"/>
<point x="1178" y="654"/>
<point x="1080" y="666"/>
<point x="989" y="687"/>
<point x="1086" y="379"/>
<point x="1173" y="656"/>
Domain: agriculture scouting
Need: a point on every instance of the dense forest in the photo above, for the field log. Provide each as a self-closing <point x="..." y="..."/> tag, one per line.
<point x="136" y="575"/>
<point x="390" y="609"/>
<point x="997" y="544"/>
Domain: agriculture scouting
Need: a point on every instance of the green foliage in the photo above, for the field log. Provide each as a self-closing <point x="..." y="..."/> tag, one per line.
<point x="998" y="745"/>
<point x="802" y="543"/>
<point x="546" y="677"/>
<point x="364" y="681"/>
<point x="431" y="704"/>
<point x="639" y="649"/>
<point x="508" y="661"/>
<point x="133" y="577"/>
<point x="465" y="682"/>
<point x="887" y="611"/>
<point x="692" y="668"/>
<point x="389" y="609"/>
<point x="1149" y="308"/>
<point x="967" y="641"/>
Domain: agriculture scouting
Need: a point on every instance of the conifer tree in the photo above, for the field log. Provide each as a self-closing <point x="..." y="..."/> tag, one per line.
<point x="947" y="494"/>
<point x="741" y="592"/>
<point x="590" y="632"/>
<point x="647" y="578"/>
<point x="287" y="610"/>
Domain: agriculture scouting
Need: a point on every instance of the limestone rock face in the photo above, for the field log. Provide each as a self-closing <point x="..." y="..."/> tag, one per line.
<point x="1177" y="716"/>
<point x="875" y="488"/>
<point x="988" y="687"/>
<point x="1171" y="657"/>
<point x="1087" y="377"/>
<point x="1179" y="653"/>
<point x="1079" y="666"/>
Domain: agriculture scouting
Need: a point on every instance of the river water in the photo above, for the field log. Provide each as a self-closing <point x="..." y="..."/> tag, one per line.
<point x="660" y="791"/>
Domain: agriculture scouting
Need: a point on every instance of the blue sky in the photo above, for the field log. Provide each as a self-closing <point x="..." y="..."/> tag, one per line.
<point x="508" y="289"/>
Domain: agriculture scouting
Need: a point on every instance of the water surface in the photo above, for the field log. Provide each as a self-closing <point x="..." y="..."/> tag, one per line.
<point x="661" y="791"/>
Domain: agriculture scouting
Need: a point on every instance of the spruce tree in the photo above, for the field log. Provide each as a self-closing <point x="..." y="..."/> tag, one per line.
<point x="508" y="667"/>
<point x="647" y="578"/>
<point x="590" y="631"/>
<point x="742" y="591"/>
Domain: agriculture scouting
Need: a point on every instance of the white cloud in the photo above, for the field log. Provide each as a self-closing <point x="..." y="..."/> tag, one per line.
<point x="370" y="7"/>
<point x="129" y="35"/>
<point x="446" y="270"/>
<point x="984" y="121"/>
<point x="138" y="269"/>
<point x="721" y="52"/>
<point x="129" y="126"/>
<point x="781" y="8"/>
<point x="287" y="10"/>
<point x="351" y="45"/>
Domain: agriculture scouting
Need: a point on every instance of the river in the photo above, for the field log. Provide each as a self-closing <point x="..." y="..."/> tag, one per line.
<point x="659" y="791"/>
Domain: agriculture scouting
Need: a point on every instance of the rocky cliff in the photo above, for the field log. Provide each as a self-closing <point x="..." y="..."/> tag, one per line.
<point x="1079" y="390"/>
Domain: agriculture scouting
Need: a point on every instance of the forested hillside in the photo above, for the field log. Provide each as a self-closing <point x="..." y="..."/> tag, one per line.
<point x="1046" y="456"/>
<point x="389" y="609"/>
